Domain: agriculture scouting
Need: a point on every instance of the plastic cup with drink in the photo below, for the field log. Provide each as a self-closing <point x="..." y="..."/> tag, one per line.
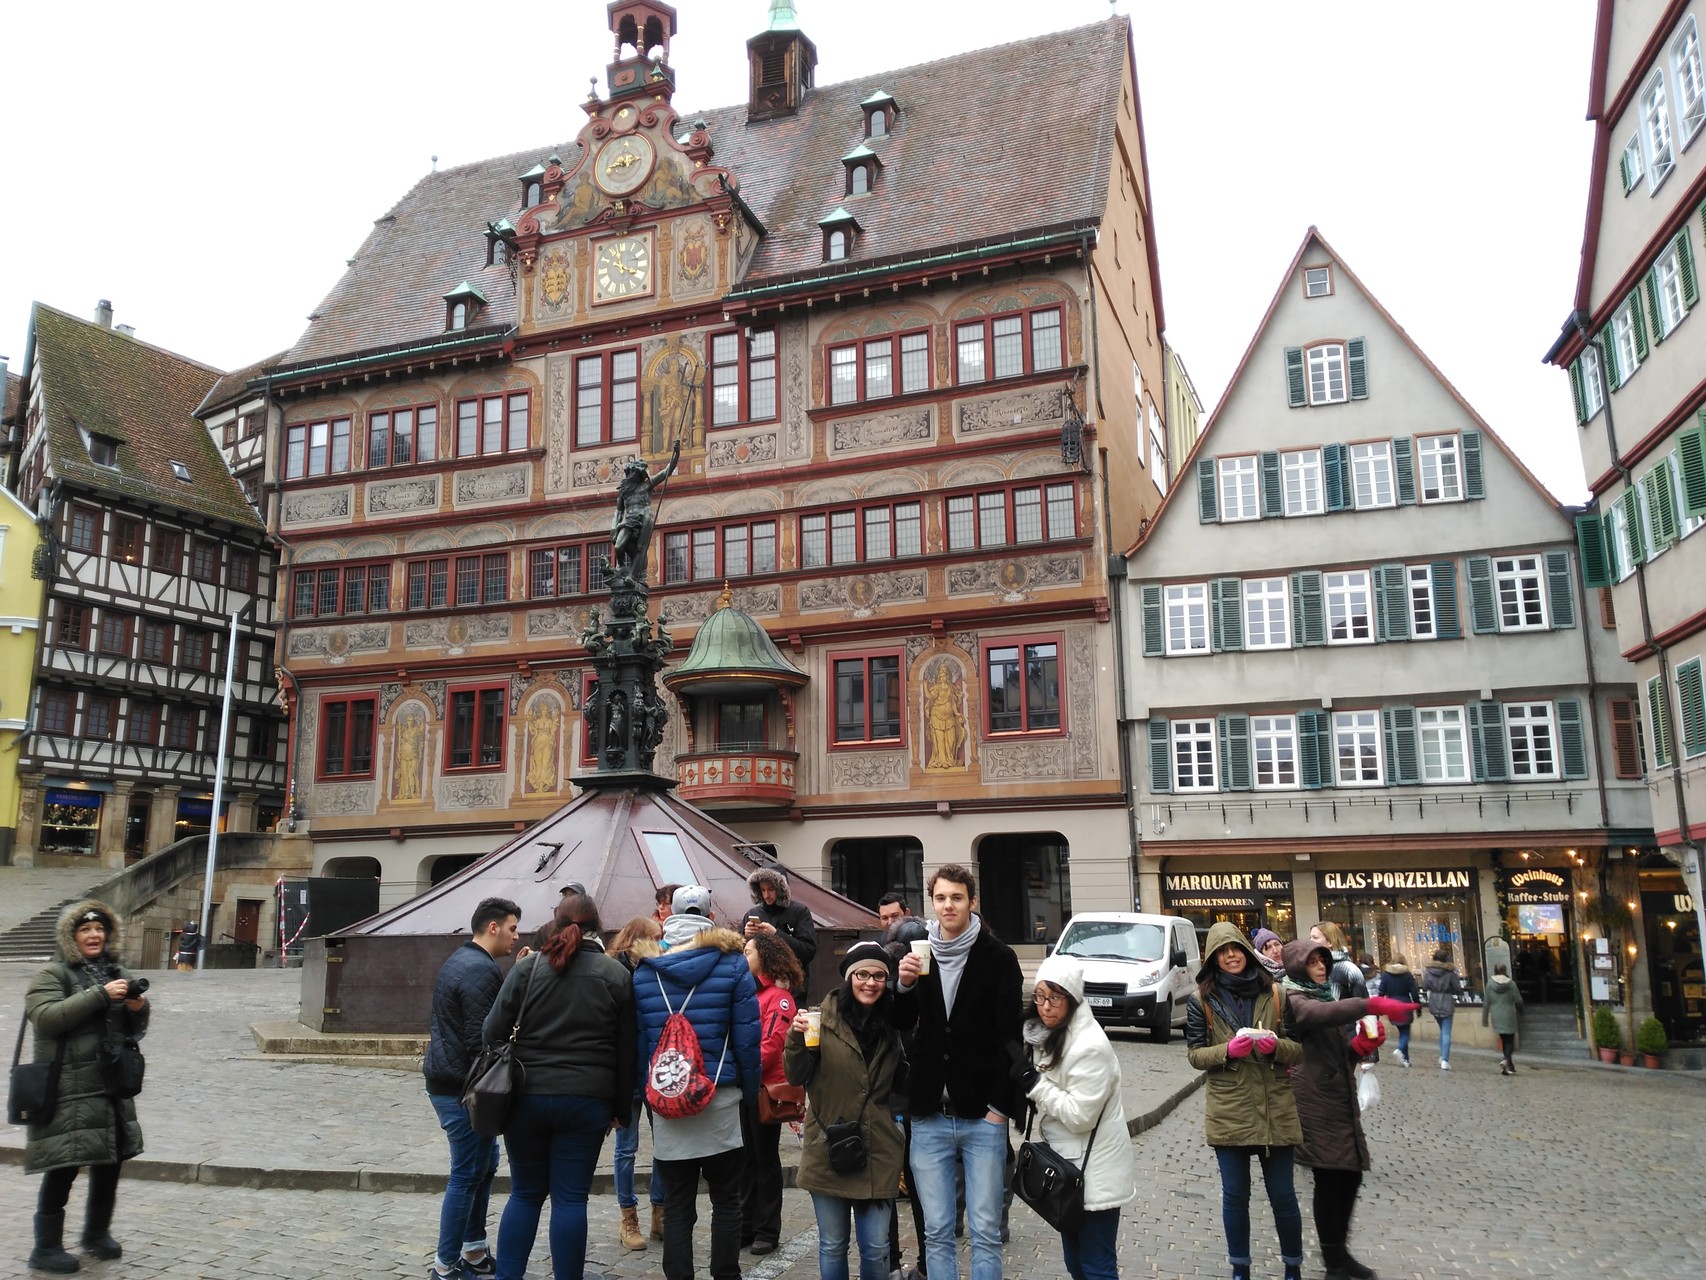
<point x="814" y="1027"/>
<point x="921" y="949"/>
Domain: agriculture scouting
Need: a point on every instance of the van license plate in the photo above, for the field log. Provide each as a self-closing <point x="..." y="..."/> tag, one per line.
<point x="1100" y="1002"/>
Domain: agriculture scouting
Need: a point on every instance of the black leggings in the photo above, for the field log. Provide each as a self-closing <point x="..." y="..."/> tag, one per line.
<point x="1335" y="1199"/>
<point x="1507" y="1042"/>
<point x="103" y="1190"/>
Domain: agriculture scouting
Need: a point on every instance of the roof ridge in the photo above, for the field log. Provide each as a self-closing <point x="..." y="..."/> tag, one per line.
<point x="131" y="338"/>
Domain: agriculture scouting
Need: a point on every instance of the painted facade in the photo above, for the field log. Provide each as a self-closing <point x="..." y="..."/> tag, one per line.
<point x="20" y="616"/>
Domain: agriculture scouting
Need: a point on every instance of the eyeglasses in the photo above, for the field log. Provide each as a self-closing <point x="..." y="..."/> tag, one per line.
<point x="877" y="976"/>
<point x="1048" y="1000"/>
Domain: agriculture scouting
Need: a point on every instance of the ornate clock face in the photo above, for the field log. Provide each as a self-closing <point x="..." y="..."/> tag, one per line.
<point x="623" y="268"/>
<point x="623" y="164"/>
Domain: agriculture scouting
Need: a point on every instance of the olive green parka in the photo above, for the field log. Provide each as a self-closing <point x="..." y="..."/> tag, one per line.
<point x="1248" y="1101"/>
<point x="836" y="1076"/>
<point x="87" y="1126"/>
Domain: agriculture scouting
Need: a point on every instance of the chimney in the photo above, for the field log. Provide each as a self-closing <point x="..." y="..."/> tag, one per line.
<point x="128" y="330"/>
<point x="104" y="314"/>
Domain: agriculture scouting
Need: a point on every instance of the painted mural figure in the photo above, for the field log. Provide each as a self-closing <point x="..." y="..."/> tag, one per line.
<point x="631" y="527"/>
<point x="675" y="404"/>
<point x="945" y="718"/>
<point x="411" y="747"/>
<point x="542" y="724"/>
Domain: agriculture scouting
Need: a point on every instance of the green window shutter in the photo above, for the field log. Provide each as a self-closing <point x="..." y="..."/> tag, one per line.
<point x="1160" y="757"/>
<point x="1474" y="483"/>
<point x="1154" y="623"/>
<point x="1658" y="722"/>
<point x="1391" y="603"/>
<point x="1314" y="750"/>
<point x="1702" y="212"/>
<point x="1297" y="395"/>
<point x="1630" y="501"/>
<point x="1483" y="608"/>
<point x="1308" y="613"/>
<point x="1404" y="468"/>
<point x="1560" y="600"/>
<point x="1447" y="625"/>
<point x="1335" y="477"/>
<point x="1637" y="313"/>
<point x="1577" y="391"/>
<point x="1623" y="168"/>
<point x="1403" y="750"/>
<point x="1487" y="734"/>
<point x="1606" y="341"/>
<point x="1227" y="595"/>
<point x="1692" y="696"/>
<point x="1208" y="496"/>
<point x="1685" y="268"/>
<point x="1572" y="745"/>
<point x="1273" y="491"/>
<point x="1234" y="752"/>
<point x="1661" y="504"/>
<point x="1357" y="354"/>
<point x="1653" y="310"/>
<point x="1591" y="546"/>
<point x="1691" y="454"/>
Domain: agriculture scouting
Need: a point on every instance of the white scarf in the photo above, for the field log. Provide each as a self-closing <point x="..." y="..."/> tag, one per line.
<point x="949" y="957"/>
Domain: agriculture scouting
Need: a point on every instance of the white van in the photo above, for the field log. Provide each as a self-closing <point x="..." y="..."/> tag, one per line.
<point x="1138" y="969"/>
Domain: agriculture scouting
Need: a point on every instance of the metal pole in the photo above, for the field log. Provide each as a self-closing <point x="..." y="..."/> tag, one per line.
<point x="218" y="791"/>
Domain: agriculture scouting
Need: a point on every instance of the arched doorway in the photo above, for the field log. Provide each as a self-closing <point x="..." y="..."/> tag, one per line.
<point x="441" y="869"/>
<point x="1024" y="885"/>
<point x="865" y="869"/>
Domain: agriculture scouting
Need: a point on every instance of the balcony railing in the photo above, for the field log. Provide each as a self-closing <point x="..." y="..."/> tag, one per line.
<point x="738" y="776"/>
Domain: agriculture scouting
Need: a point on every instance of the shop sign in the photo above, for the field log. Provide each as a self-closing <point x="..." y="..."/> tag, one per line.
<point x="1388" y="881"/>
<point x="1534" y="885"/>
<point x="1224" y="888"/>
<point x="80" y="799"/>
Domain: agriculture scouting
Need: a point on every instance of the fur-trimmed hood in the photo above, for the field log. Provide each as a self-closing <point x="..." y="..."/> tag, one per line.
<point x="66" y="931"/>
<point x="724" y="940"/>
<point x="769" y="875"/>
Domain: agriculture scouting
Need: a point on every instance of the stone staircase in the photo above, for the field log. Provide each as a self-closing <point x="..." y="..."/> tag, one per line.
<point x="1550" y="1030"/>
<point x="33" y="940"/>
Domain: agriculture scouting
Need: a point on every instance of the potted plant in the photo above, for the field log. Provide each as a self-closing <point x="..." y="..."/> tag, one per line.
<point x="1651" y="1040"/>
<point x="1606" y="1036"/>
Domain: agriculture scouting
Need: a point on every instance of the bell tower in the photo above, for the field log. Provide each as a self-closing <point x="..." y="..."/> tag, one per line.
<point x="781" y="61"/>
<point x="640" y="62"/>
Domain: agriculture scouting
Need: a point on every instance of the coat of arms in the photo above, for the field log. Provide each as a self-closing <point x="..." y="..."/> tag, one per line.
<point x="554" y="281"/>
<point x="695" y="256"/>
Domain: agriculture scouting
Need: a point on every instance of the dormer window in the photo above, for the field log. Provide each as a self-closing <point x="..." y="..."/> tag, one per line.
<point x="533" y="186"/>
<point x="840" y="231"/>
<point x="880" y="110"/>
<point x="461" y="305"/>
<point x="862" y="165"/>
<point x="103" y="451"/>
<point x="500" y="237"/>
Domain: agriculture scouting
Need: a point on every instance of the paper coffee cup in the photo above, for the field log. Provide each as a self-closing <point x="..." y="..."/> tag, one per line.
<point x="1371" y="1026"/>
<point x="814" y="1027"/>
<point x="921" y="949"/>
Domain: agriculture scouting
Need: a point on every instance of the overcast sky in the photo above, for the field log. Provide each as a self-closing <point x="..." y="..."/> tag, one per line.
<point x="209" y="167"/>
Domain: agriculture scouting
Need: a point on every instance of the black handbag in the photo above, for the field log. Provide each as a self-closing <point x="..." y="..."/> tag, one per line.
<point x="122" y="1067"/>
<point x="33" y="1094"/>
<point x="1050" y="1183"/>
<point x="845" y="1142"/>
<point x="497" y="1077"/>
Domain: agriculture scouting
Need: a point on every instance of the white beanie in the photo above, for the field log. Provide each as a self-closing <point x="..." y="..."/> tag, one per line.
<point x="1066" y="973"/>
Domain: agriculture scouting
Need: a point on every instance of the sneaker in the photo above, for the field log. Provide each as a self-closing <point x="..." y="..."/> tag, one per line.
<point x="485" y="1267"/>
<point x="1444" y="1065"/>
<point x="1403" y="1061"/>
<point x="435" y="1272"/>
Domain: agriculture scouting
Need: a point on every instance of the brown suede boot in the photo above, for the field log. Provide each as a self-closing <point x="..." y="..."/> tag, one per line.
<point x="632" y="1238"/>
<point x="657" y="1222"/>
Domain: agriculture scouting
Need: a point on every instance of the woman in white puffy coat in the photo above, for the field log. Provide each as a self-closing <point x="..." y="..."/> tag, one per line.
<point x="1071" y="1076"/>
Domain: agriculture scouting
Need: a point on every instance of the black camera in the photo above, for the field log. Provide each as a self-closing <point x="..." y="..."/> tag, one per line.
<point x="134" y="988"/>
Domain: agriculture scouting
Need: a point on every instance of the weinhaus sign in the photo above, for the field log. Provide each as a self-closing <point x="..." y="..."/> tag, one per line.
<point x="1534" y="885"/>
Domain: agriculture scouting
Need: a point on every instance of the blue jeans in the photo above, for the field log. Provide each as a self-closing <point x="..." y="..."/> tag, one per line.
<point x="627" y="1143"/>
<point x="1235" y="1201"/>
<point x="553" y="1142"/>
<point x="1445" y="1039"/>
<point x="1404" y="1039"/>
<point x="938" y="1142"/>
<point x="1093" y="1252"/>
<point x="473" y="1163"/>
<point x="870" y="1217"/>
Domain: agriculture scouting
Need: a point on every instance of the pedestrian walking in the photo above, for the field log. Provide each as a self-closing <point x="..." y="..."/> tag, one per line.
<point x="965" y="1014"/>
<point x="639" y="938"/>
<point x="1233" y="1031"/>
<point x="704" y="976"/>
<point x="1269" y="947"/>
<point x="1071" y="1077"/>
<point x="190" y="944"/>
<point x="81" y="1005"/>
<point x="577" y="1042"/>
<point x="1442" y="987"/>
<point x="1502" y="1010"/>
<point x="778" y="975"/>
<point x="1324" y="1080"/>
<point x="462" y="996"/>
<point x="851" y="1160"/>
<point x="1398" y="983"/>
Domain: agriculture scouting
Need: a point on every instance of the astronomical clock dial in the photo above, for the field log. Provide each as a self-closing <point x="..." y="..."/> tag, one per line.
<point x="623" y="164"/>
<point x="622" y="268"/>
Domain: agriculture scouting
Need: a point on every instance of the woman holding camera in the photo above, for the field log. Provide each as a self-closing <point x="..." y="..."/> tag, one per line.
<point x="78" y="1004"/>
<point x="853" y="1152"/>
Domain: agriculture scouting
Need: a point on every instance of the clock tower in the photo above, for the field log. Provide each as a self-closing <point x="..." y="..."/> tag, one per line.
<point x="640" y="62"/>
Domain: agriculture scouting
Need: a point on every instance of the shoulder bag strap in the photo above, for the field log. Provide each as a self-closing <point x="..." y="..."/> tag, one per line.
<point x="515" y="1031"/>
<point x="24" y="1021"/>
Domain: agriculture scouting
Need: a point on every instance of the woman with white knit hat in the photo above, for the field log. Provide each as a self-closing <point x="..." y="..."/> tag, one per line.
<point x="1071" y="1076"/>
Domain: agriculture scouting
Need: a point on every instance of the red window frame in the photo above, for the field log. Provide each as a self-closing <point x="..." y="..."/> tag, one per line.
<point x="348" y="728"/>
<point x="241" y="574"/>
<point x="100" y="717"/>
<point x="156" y="641"/>
<point x="113" y="639"/>
<point x="83" y="528"/>
<point x="323" y="590"/>
<point x="983" y="503"/>
<point x="595" y="416"/>
<point x="839" y="522"/>
<point x="1032" y="722"/>
<point x="183" y="728"/>
<point x="384" y="447"/>
<point x="71" y="625"/>
<point x="263" y="738"/>
<point x="204" y="559"/>
<point x="476" y="728"/>
<point x="989" y="343"/>
<point x="142" y="723"/>
<point x="863" y="353"/>
<point x="683" y="551"/>
<point x="168" y="554"/>
<point x="58" y="711"/>
<point x="743" y="384"/>
<point x="127" y="540"/>
<point x="489" y="426"/>
<point x="195" y="649"/>
<point x="843" y="663"/>
<point x="318" y="447"/>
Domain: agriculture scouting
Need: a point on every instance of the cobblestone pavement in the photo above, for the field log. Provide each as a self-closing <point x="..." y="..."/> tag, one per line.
<point x="1564" y="1170"/>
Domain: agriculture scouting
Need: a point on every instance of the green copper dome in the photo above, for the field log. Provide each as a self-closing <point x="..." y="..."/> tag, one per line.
<point x="731" y="654"/>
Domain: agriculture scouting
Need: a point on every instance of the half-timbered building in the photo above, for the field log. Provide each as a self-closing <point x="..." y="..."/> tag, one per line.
<point x="151" y="552"/>
<point x="906" y="333"/>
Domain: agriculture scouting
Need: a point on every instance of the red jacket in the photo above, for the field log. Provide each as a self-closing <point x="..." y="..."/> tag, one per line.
<point x="776" y="1011"/>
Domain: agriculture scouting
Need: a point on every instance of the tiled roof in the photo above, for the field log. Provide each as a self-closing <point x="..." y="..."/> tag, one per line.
<point x="14" y="389"/>
<point x="986" y="144"/>
<point x="141" y="396"/>
<point x="231" y="388"/>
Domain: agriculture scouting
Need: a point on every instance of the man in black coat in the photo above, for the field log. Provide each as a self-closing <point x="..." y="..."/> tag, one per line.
<point x="467" y="986"/>
<point x="774" y="911"/>
<point x="965" y="1015"/>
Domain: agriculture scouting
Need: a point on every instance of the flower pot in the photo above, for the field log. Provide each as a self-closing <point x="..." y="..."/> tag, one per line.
<point x="1626" y="1057"/>
<point x="1650" y="1061"/>
<point x="1608" y="1055"/>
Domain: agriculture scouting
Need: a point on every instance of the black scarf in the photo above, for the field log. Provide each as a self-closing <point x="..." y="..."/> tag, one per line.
<point x="872" y="1026"/>
<point x="1241" y="990"/>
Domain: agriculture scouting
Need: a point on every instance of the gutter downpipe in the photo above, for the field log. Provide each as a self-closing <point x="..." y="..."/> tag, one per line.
<point x="282" y="597"/>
